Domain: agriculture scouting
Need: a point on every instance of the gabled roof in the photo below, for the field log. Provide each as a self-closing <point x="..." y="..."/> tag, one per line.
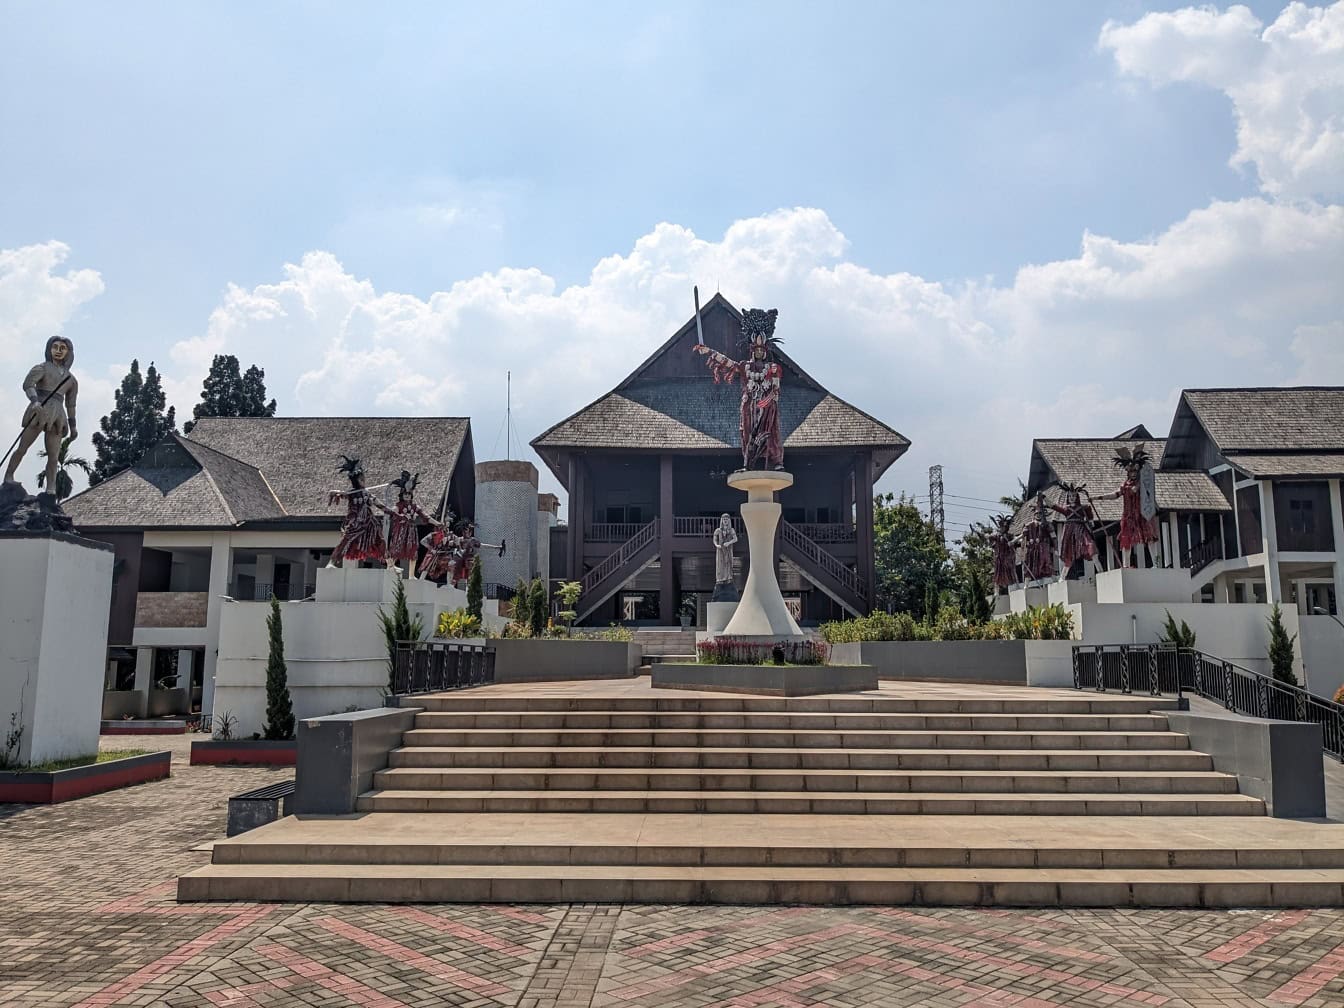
<point x="671" y="403"/>
<point x="1265" y="432"/>
<point x="232" y="471"/>
<point x="1278" y="420"/>
<point x="1090" y="461"/>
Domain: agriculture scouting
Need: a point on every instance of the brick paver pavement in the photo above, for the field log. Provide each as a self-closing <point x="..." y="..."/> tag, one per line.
<point x="87" y="917"/>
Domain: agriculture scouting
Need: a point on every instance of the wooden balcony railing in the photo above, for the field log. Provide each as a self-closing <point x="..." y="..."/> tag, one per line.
<point x="702" y="527"/>
<point x="1200" y="556"/>
<point x="618" y="559"/>
<point x="617" y="532"/>
<point x="836" y="570"/>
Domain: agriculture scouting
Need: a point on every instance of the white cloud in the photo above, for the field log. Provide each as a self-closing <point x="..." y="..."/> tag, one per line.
<point x="1286" y="83"/>
<point x="1239" y="292"/>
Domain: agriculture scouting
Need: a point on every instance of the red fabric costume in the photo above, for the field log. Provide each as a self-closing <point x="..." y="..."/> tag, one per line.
<point x="1135" y="529"/>
<point x="403" y="540"/>
<point x="362" y="532"/>
<point x="440" y="547"/>
<point x="1075" y="541"/>
<point x="467" y="545"/>
<point x="1005" y="562"/>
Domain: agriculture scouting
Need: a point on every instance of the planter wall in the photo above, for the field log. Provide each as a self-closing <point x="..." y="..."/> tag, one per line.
<point x="77" y="782"/>
<point x="119" y="703"/>
<point x="542" y="660"/>
<point x="1017" y="662"/>
<point x="243" y="752"/>
<point x="164" y="702"/>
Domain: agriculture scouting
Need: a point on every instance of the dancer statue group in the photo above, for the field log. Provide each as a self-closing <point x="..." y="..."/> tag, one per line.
<point x="449" y="554"/>
<point x="1036" y="544"/>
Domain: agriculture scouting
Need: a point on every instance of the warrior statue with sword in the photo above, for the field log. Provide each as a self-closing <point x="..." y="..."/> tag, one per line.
<point x="51" y="390"/>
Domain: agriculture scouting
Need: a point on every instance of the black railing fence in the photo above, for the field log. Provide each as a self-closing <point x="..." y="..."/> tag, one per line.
<point x="1163" y="669"/>
<point x="431" y="666"/>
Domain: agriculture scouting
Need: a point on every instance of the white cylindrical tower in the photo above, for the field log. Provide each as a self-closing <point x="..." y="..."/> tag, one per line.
<point x="506" y="508"/>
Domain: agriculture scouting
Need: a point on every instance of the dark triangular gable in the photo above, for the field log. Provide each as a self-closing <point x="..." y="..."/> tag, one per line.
<point x="722" y="325"/>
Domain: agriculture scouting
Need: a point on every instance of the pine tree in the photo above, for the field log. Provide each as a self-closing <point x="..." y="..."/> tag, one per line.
<point x="279" y="708"/>
<point x="137" y="423"/>
<point x="1280" y="648"/>
<point x="475" y="590"/>
<point x="537" y="611"/>
<point x="226" y="392"/>
<point x="522" y="604"/>
<point x="398" y="626"/>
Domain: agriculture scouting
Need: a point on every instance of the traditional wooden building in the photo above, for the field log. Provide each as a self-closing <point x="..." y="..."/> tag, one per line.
<point x="645" y="467"/>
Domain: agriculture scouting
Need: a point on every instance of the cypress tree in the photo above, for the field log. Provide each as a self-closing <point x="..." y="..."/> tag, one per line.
<point x="537" y="611"/>
<point x="475" y="590"/>
<point x="398" y="626"/>
<point x="279" y="708"/>
<point x="1280" y="648"/>
<point x="137" y="422"/>
<point x="522" y="604"/>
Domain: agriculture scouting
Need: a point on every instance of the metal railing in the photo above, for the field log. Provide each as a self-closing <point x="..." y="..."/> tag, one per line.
<point x="433" y="666"/>
<point x="827" y="532"/>
<point x="833" y="568"/>
<point x="1160" y="669"/>
<point x="502" y="592"/>
<point x="620" y="557"/>
<point x="1201" y="555"/>
<point x="701" y="526"/>
<point x="611" y="531"/>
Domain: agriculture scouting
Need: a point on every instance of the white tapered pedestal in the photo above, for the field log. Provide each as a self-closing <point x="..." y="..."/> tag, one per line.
<point x="762" y="612"/>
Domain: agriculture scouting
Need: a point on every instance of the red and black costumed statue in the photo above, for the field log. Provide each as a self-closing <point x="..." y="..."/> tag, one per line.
<point x="440" y="554"/>
<point x="1005" y="554"/>
<point x="362" y="532"/>
<point x="403" y="540"/>
<point x="1038" y="540"/>
<point x="1075" y="538"/>
<point x="1138" y="494"/>
<point x="467" y="548"/>
<point x="762" y="447"/>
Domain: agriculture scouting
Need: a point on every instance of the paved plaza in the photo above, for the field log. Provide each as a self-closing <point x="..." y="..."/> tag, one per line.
<point x="87" y="917"/>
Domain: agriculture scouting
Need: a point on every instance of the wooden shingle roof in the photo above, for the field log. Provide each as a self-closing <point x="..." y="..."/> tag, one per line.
<point x="231" y="471"/>
<point x="1277" y="420"/>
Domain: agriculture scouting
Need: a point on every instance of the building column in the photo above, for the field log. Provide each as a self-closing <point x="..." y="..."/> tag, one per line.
<point x="667" y="582"/>
<point x="144" y="677"/>
<point x="578" y="510"/>
<point x="1269" y="543"/>
<point x="863" y="501"/>
<point x="1337" y="529"/>
<point x="220" y="561"/>
<point x="1173" y="540"/>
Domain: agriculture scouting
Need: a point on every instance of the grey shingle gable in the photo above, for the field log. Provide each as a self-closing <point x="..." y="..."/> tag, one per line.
<point x="1279" y="420"/>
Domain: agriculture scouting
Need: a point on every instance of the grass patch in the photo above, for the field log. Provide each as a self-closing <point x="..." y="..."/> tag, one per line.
<point x="79" y="761"/>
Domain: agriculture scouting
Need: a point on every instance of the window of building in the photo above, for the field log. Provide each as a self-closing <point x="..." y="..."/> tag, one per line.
<point x="1302" y="516"/>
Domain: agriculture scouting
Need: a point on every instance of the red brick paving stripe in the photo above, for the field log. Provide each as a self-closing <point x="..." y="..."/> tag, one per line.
<point x="311" y="970"/>
<point x="1312" y="979"/>
<point x="465" y="931"/>
<point x="1249" y="941"/>
<point x="526" y="916"/>
<point x="998" y="936"/>
<point x="412" y="958"/>
<point x="182" y="954"/>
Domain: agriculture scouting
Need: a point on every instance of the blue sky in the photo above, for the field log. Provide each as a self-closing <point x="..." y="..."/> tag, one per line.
<point x="176" y="150"/>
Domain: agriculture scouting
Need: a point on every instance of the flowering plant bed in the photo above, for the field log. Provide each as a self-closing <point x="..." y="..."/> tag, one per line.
<point x="244" y="752"/>
<point x="737" y="651"/>
<point x="63" y="780"/>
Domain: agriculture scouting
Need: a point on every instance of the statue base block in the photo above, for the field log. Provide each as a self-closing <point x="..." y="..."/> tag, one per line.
<point x="766" y="680"/>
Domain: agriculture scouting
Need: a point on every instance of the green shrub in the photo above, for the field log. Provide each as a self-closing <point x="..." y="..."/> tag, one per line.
<point x="458" y="623"/>
<point x="1280" y="648"/>
<point x="279" y="708"/>
<point x="1182" y="636"/>
<point x="475" y="589"/>
<point x="398" y="626"/>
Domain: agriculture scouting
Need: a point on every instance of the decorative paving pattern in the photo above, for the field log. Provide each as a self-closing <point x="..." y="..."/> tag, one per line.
<point x="87" y="918"/>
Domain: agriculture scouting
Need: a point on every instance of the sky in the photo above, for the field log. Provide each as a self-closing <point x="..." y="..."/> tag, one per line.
<point x="980" y="222"/>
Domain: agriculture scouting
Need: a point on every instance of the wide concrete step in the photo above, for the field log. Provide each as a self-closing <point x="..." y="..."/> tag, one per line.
<point x="801" y="759"/>
<point x="809" y="802"/>
<point x="807" y="721"/>
<point x="761" y="738"/>
<point x="1139" y="782"/>
<point x="1044" y="703"/>
<point x="1034" y="887"/>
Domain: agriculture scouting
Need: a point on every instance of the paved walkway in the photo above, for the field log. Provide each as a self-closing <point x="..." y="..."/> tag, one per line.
<point x="87" y="918"/>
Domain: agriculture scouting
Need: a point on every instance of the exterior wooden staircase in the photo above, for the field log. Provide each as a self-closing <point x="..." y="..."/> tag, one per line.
<point x="623" y="563"/>
<point x="821" y="568"/>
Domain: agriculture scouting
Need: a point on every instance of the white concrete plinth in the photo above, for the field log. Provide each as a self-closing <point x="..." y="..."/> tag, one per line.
<point x="717" y="616"/>
<point x="1069" y="592"/>
<point x="55" y="592"/>
<point x="762" y="612"/>
<point x="1146" y="584"/>
<point x="1022" y="599"/>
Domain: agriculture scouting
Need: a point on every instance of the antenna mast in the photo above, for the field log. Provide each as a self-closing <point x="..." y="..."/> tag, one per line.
<point x="508" y="414"/>
<point x="936" y="500"/>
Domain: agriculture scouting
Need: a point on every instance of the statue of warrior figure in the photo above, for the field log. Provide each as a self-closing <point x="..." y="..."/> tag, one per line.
<point x="758" y="425"/>
<point x="1138" y="519"/>
<point x="440" y="554"/>
<point x="467" y="547"/>
<point x="51" y="390"/>
<point x="403" y="540"/>
<point x="1005" y="554"/>
<point x="1075" y="539"/>
<point x="362" y="531"/>
<point x="1039" y="541"/>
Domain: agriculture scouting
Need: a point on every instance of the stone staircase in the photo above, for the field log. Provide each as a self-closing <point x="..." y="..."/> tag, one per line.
<point x="952" y="796"/>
